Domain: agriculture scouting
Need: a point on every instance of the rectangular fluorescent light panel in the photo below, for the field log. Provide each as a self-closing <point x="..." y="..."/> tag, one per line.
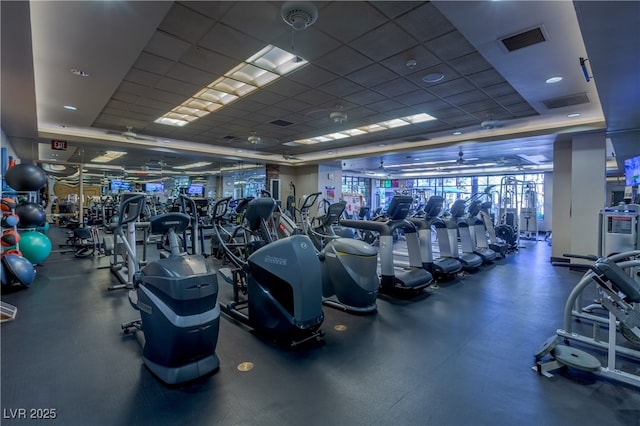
<point x="108" y="156"/>
<point x="192" y="165"/>
<point x="371" y="128"/>
<point x="264" y="67"/>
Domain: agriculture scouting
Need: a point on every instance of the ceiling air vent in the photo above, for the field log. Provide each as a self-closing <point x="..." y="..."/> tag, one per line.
<point x="282" y="123"/>
<point x="523" y="39"/>
<point x="565" y="101"/>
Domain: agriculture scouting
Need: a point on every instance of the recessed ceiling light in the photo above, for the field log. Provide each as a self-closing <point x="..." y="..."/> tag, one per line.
<point x="329" y="152"/>
<point x="381" y="144"/>
<point x="79" y="73"/>
<point x="433" y="77"/>
<point x="456" y="133"/>
<point x="552" y="80"/>
<point x="70" y="107"/>
<point x="516" y="149"/>
<point x="573" y="115"/>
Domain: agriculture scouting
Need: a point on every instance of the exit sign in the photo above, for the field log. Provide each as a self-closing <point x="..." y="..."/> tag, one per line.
<point x="59" y="145"/>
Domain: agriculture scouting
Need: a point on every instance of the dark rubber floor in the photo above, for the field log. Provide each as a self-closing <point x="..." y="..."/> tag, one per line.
<point x="460" y="356"/>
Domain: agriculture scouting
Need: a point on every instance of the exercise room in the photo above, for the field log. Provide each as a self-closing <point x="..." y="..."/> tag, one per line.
<point x="320" y="213"/>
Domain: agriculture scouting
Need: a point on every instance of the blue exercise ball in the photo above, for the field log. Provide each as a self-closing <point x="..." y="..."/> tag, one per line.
<point x="25" y="177"/>
<point x="35" y="246"/>
<point x="16" y="268"/>
<point x="31" y="215"/>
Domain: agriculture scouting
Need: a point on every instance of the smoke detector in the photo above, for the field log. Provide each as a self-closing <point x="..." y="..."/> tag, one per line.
<point x="300" y="15"/>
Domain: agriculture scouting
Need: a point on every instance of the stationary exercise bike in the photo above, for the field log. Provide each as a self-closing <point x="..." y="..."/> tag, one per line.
<point x="277" y="285"/>
<point x="349" y="267"/>
<point x="179" y="314"/>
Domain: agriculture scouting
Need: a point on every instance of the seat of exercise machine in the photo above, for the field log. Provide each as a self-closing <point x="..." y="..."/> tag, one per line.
<point x="259" y="209"/>
<point x="162" y="223"/>
<point x="619" y="278"/>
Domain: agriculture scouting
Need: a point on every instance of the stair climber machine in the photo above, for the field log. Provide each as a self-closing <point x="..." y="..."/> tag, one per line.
<point x="467" y="232"/>
<point x="179" y="314"/>
<point x="413" y="280"/>
<point x="349" y="267"/>
<point x="442" y="268"/>
<point x="277" y="285"/>
<point x="447" y="234"/>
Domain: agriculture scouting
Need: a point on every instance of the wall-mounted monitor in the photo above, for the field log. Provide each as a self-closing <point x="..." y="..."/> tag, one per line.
<point x="632" y="171"/>
<point x="154" y="187"/>
<point x="195" y="190"/>
<point x="119" y="185"/>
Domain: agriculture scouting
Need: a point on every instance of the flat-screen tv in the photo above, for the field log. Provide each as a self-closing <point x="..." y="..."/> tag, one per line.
<point x="632" y="171"/>
<point x="119" y="185"/>
<point x="195" y="190"/>
<point x="154" y="187"/>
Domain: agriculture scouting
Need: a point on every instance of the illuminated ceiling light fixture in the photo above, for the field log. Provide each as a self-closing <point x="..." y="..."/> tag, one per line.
<point x="264" y="67"/>
<point x="192" y="165"/>
<point x="371" y="128"/>
<point x="108" y="156"/>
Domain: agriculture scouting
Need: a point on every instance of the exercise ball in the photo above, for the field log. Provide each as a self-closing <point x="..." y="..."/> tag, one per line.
<point x="8" y="204"/>
<point x="30" y="214"/>
<point x="44" y="228"/>
<point x="25" y="177"/>
<point x="9" y="238"/>
<point x="18" y="269"/>
<point x="9" y="220"/>
<point x="4" y="279"/>
<point x="35" y="246"/>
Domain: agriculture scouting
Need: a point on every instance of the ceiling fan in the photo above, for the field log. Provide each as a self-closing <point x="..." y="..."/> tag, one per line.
<point x="336" y="115"/>
<point x="460" y="160"/>
<point x="130" y="134"/>
<point x="253" y="140"/>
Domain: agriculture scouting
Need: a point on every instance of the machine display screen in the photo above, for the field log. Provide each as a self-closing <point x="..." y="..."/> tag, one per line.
<point x="619" y="225"/>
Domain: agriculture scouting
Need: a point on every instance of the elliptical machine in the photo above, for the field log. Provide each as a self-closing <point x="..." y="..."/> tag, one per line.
<point x="277" y="288"/>
<point x="349" y="267"/>
<point x="179" y="314"/>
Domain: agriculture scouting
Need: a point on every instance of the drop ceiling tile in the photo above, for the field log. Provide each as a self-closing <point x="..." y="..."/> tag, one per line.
<point x="178" y="87"/>
<point x="166" y="46"/>
<point x="469" y="97"/>
<point x="340" y="87"/>
<point x="372" y="75"/>
<point x="256" y="19"/>
<point x="449" y="75"/>
<point x="501" y="89"/>
<point x="396" y="87"/>
<point x="469" y="64"/>
<point x="211" y="9"/>
<point x="317" y="97"/>
<point x="343" y="61"/>
<point x="383" y="42"/>
<point x="336" y="20"/>
<point x="385" y="105"/>
<point x="310" y="44"/>
<point x="486" y="78"/>
<point x="424" y="59"/>
<point x="425" y="23"/>
<point x="393" y="9"/>
<point x="292" y="105"/>
<point x="364" y="97"/>
<point x="286" y="87"/>
<point x="141" y="77"/>
<point x="153" y="63"/>
<point x="449" y="46"/>
<point x="312" y="76"/>
<point x="510" y="99"/>
<point x="207" y="61"/>
<point x="230" y="42"/>
<point x="451" y="87"/>
<point x="266" y="97"/>
<point x="185" y="24"/>
<point x="415" y="97"/>
<point x="191" y="75"/>
<point x="475" y="107"/>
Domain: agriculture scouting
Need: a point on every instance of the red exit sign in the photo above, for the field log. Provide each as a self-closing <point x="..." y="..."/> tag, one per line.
<point x="59" y="145"/>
